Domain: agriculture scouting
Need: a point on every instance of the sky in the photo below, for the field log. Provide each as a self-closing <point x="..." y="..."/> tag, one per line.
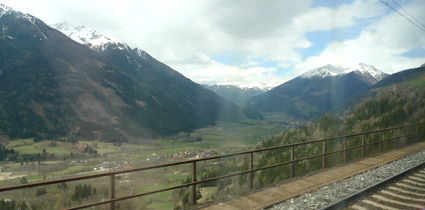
<point x="251" y="42"/>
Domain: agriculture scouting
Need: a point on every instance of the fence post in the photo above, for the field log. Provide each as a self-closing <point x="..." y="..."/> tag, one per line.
<point x="345" y="149"/>
<point x="380" y="141"/>
<point x="193" y="186"/>
<point x="417" y="133"/>
<point x="112" y="180"/>
<point x="324" y="154"/>
<point x="292" y="160"/>
<point x="362" y="145"/>
<point x="394" y="135"/>
<point x="251" y="167"/>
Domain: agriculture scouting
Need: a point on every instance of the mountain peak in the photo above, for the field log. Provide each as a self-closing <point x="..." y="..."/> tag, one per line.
<point x="324" y="71"/>
<point x="89" y="37"/>
<point x="5" y="9"/>
<point x="234" y="93"/>
<point x="95" y="40"/>
<point x="372" y="73"/>
<point x="35" y="22"/>
<point x="365" y="69"/>
<point x="9" y="10"/>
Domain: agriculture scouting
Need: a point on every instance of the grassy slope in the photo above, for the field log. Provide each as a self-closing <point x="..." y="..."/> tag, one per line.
<point x="418" y="82"/>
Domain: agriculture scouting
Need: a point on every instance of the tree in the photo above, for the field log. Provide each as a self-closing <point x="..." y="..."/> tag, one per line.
<point x="62" y="186"/>
<point x="40" y="191"/>
<point x="76" y="195"/>
<point x="37" y="138"/>
<point x="23" y="181"/>
<point x="34" y="207"/>
<point x="7" y="205"/>
<point x="23" y="206"/>
<point x="82" y="191"/>
<point x="198" y="194"/>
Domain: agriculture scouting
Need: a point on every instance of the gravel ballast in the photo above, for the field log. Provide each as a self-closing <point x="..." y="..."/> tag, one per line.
<point x="326" y="195"/>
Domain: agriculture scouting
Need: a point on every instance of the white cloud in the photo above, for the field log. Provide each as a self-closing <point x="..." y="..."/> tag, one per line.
<point x="325" y="19"/>
<point x="251" y="19"/>
<point x="380" y="44"/>
<point x="213" y="72"/>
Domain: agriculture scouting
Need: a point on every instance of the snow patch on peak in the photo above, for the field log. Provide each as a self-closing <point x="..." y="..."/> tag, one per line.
<point x="141" y="53"/>
<point x="324" y="71"/>
<point x="365" y="69"/>
<point x="370" y="73"/>
<point x="89" y="37"/>
<point x="9" y="10"/>
<point x="263" y="86"/>
<point x="5" y="9"/>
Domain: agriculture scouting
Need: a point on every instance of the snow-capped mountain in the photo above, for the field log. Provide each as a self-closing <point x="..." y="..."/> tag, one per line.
<point x="95" y="40"/>
<point x="5" y="31"/>
<point x="369" y="73"/>
<point x="368" y="70"/>
<point x="17" y="14"/>
<point x="234" y="93"/>
<point x="89" y="37"/>
<point x="324" y="71"/>
<point x="260" y="85"/>
<point x="7" y="10"/>
<point x="318" y="91"/>
<point x="60" y="88"/>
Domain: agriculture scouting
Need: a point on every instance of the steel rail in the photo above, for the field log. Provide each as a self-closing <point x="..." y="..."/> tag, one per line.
<point x="345" y="202"/>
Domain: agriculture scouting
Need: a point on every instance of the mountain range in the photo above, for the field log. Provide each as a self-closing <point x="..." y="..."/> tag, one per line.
<point x="234" y="93"/>
<point x="51" y="85"/>
<point x="64" y="80"/>
<point x="317" y="91"/>
<point x="368" y="73"/>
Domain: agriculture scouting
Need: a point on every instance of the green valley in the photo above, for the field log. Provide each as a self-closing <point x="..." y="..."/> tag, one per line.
<point x="64" y="157"/>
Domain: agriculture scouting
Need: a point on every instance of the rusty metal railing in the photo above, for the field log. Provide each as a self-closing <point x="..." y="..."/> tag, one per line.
<point x="250" y="170"/>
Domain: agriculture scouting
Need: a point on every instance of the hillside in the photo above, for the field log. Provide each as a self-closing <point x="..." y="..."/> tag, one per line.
<point x="398" y="99"/>
<point x="414" y="76"/>
<point x="53" y="86"/>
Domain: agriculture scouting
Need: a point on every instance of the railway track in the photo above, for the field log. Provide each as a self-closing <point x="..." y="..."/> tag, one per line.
<point x="402" y="191"/>
<point x="409" y="193"/>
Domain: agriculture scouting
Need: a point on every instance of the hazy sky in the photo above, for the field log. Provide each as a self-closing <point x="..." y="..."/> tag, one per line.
<point x="247" y="41"/>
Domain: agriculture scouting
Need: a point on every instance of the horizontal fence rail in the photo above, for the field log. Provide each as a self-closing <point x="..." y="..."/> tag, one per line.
<point x="292" y="161"/>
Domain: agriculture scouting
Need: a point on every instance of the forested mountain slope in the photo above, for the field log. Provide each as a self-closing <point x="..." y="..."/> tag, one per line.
<point x="52" y="86"/>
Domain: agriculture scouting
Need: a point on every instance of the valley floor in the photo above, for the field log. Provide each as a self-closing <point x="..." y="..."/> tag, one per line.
<point x="59" y="159"/>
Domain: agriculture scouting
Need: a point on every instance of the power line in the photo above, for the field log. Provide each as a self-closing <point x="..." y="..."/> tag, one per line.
<point x="403" y="15"/>
<point x="417" y="21"/>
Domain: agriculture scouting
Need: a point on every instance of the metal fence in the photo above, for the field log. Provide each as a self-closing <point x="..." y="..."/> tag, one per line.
<point x="394" y="137"/>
